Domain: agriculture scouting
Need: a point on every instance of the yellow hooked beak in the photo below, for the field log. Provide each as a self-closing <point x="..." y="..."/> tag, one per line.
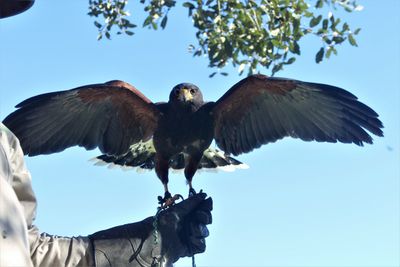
<point x="186" y="94"/>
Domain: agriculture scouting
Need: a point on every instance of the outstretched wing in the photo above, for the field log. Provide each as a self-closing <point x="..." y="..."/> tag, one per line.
<point x="110" y="116"/>
<point x="260" y="109"/>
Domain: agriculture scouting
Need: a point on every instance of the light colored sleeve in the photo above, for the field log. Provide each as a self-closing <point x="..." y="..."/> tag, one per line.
<point x="16" y="189"/>
<point x="49" y="250"/>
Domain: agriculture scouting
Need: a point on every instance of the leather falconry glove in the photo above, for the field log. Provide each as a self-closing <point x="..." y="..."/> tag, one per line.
<point x="176" y="232"/>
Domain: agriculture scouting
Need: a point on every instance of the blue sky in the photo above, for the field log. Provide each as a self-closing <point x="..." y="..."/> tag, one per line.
<point x="299" y="204"/>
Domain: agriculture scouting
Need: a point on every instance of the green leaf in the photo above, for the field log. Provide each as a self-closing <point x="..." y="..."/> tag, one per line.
<point x="164" y="22"/>
<point x="296" y="26"/>
<point x="290" y="61"/>
<point x="277" y="68"/>
<point x="315" y="21"/>
<point x="197" y="53"/>
<point x="345" y="27"/>
<point x="357" y="31"/>
<point x="131" y="25"/>
<point x="348" y="9"/>
<point x="170" y="3"/>
<point x="228" y="49"/>
<point x="325" y="24"/>
<point x="337" y="21"/>
<point x="352" y="41"/>
<point x="294" y="48"/>
<point x="320" y="55"/>
<point x="188" y="5"/>
<point x="332" y="20"/>
<point x="328" y="52"/>
<point x="147" y="21"/>
<point x="98" y="25"/>
<point x="327" y="40"/>
<point x="338" y="39"/>
<point x="308" y="14"/>
<point x="334" y="50"/>
<point x="247" y="34"/>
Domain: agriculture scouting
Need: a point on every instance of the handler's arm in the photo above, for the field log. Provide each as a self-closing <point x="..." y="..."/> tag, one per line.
<point x="181" y="229"/>
<point x="21" y="239"/>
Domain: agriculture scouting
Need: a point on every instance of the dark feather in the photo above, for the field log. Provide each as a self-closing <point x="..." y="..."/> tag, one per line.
<point x="259" y="110"/>
<point x="132" y="131"/>
<point x="111" y="116"/>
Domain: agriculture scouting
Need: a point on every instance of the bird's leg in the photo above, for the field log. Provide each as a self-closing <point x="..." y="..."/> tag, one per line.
<point x="190" y="170"/>
<point x="161" y="167"/>
<point x="192" y="192"/>
<point x="167" y="195"/>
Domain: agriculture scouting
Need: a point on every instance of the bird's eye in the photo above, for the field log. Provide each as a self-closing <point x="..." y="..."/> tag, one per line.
<point x="177" y="92"/>
<point x="192" y="91"/>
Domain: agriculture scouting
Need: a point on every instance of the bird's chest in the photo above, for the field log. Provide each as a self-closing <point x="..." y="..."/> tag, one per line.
<point x="183" y="133"/>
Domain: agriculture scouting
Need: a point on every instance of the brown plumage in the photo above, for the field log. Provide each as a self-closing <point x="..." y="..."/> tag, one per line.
<point x="117" y="118"/>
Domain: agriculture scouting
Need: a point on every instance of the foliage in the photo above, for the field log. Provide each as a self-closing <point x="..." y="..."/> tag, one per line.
<point x="245" y="33"/>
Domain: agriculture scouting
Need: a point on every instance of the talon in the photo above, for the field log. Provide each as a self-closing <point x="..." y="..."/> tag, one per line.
<point x="168" y="203"/>
<point x="192" y="192"/>
<point x="162" y="200"/>
<point x="168" y="200"/>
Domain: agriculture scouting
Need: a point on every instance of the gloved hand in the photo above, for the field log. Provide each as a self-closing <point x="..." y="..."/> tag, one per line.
<point x="176" y="232"/>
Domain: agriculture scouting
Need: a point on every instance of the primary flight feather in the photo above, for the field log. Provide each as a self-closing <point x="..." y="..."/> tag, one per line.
<point x="131" y="130"/>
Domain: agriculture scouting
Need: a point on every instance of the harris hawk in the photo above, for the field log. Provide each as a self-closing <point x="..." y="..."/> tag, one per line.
<point x="133" y="131"/>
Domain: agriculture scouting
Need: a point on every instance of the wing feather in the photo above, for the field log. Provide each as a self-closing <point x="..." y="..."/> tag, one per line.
<point x="259" y="110"/>
<point x="110" y="116"/>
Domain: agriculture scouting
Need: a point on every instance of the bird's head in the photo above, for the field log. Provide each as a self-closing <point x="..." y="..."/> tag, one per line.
<point x="186" y="94"/>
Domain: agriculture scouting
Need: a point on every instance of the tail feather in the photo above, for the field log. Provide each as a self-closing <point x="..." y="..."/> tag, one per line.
<point x="141" y="156"/>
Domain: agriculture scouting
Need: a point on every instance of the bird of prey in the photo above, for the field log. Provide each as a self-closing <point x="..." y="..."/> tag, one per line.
<point x="131" y="130"/>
